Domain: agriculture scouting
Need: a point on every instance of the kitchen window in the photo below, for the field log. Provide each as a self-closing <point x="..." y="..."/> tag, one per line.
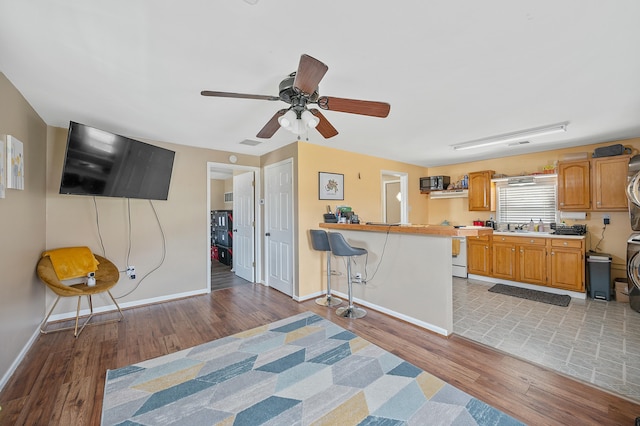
<point x="520" y="203"/>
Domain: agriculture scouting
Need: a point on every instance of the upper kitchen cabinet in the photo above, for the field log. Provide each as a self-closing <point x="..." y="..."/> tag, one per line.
<point x="609" y="183"/>
<point x="481" y="191"/>
<point x="597" y="184"/>
<point x="574" y="185"/>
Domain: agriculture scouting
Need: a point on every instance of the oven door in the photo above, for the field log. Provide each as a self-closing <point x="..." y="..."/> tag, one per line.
<point x="459" y="262"/>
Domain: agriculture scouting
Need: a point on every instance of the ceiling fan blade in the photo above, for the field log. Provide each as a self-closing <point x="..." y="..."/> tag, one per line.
<point x="239" y="95"/>
<point x="324" y="127"/>
<point x="310" y="72"/>
<point x="272" y="125"/>
<point x="354" y="106"/>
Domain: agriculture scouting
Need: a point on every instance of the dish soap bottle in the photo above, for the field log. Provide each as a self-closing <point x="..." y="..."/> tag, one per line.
<point x="532" y="226"/>
<point x="540" y="225"/>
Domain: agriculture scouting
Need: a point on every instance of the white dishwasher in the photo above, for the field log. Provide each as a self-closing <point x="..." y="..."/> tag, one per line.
<point x="459" y="262"/>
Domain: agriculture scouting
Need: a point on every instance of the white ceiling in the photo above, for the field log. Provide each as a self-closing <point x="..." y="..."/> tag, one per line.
<point x="453" y="71"/>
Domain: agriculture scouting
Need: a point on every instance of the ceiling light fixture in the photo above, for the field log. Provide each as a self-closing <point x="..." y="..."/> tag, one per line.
<point x="512" y="137"/>
<point x="297" y="122"/>
<point x="287" y="119"/>
<point x="309" y="119"/>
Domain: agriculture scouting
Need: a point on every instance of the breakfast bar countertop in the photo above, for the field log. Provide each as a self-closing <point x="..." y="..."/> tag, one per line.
<point x="433" y="230"/>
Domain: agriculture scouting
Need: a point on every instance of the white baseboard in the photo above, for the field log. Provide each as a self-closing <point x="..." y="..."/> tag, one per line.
<point x="112" y="307"/>
<point x="19" y="358"/>
<point x="395" y="314"/>
<point x="309" y="296"/>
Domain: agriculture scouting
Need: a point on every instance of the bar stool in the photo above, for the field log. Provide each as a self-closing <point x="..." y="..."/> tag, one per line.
<point x="340" y="247"/>
<point x="320" y="242"/>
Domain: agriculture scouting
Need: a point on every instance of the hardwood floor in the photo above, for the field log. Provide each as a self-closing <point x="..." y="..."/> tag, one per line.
<point x="61" y="380"/>
<point x="222" y="277"/>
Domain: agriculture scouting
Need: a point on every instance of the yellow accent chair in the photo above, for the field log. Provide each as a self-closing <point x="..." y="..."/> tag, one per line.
<point x="66" y="260"/>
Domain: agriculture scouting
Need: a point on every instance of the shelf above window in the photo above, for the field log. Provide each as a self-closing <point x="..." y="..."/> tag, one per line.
<point x="449" y="193"/>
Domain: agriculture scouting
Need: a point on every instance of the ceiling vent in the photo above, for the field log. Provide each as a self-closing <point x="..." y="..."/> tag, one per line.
<point x="250" y="142"/>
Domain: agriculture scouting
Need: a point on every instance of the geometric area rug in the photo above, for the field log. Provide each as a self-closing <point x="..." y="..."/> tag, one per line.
<point x="302" y="370"/>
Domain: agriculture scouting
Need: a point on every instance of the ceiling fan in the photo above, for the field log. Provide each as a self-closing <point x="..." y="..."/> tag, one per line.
<point x="300" y="89"/>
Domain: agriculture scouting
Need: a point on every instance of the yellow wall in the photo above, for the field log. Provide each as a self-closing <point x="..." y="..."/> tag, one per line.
<point x="456" y="210"/>
<point x="362" y="191"/>
<point x="22" y="229"/>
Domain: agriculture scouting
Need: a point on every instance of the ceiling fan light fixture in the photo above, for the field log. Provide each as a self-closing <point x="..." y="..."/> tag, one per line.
<point x="287" y="119"/>
<point x="513" y="137"/>
<point x="309" y="119"/>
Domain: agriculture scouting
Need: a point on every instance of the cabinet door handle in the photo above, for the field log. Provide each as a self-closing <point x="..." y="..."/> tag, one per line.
<point x="565" y="243"/>
<point x="552" y="253"/>
<point x="515" y="250"/>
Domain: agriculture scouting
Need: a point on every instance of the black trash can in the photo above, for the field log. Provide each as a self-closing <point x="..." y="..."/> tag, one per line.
<point x="599" y="275"/>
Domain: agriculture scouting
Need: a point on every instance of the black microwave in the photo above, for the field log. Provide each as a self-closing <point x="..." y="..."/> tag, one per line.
<point x="434" y="183"/>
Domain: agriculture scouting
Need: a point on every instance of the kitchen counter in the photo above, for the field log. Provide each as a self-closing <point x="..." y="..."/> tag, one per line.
<point x="407" y="270"/>
<point x="433" y="230"/>
<point x="538" y="234"/>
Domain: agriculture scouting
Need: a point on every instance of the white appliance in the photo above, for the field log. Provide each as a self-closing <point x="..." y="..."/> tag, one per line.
<point x="459" y="262"/>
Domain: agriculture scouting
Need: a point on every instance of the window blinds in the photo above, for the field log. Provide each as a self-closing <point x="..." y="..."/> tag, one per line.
<point x="520" y="204"/>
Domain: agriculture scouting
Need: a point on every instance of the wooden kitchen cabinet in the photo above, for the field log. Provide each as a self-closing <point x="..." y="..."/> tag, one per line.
<point x="595" y="185"/>
<point x="574" y="185"/>
<point x="609" y="180"/>
<point x="567" y="264"/>
<point x="479" y="255"/>
<point x="522" y="259"/>
<point x="532" y="261"/>
<point x="503" y="258"/>
<point x="539" y="260"/>
<point x="481" y="191"/>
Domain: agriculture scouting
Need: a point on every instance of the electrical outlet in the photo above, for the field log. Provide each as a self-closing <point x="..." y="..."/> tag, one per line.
<point x="606" y="219"/>
<point x="131" y="272"/>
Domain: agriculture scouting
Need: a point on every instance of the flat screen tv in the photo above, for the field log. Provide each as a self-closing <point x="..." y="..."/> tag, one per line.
<point x="104" y="164"/>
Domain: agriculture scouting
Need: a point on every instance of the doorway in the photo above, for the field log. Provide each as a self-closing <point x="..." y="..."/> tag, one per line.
<point x="222" y="182"/>
<point x="279" y="227"/>
<point x="394" y="193"/>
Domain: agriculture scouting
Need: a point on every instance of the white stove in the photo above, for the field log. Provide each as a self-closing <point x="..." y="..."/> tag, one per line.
<point x="459" y="262"/>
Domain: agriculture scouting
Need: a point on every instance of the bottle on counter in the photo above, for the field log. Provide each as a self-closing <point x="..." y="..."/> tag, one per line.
<point x="532" y="226"/>
<point x="540" y="225"/>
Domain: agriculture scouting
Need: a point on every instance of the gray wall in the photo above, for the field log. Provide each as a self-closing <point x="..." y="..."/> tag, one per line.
<point x="22" y="229"/>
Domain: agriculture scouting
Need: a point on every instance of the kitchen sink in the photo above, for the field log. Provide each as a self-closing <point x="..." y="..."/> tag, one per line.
<point x="524" y="231"/>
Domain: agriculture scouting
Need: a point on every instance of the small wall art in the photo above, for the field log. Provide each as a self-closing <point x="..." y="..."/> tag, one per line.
<point x="15" y="163"/>
<point x="331" y="186"/>
<point x="3" y="165"/>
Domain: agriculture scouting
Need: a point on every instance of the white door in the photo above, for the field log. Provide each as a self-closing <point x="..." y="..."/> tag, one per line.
<point x="279" y="226"/>
<point x="243" y="226"/>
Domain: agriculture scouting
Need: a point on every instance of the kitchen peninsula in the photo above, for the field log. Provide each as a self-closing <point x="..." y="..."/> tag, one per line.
<point x="407" y="270"/>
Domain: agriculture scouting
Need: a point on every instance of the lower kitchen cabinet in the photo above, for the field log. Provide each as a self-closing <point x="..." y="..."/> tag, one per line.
<point x="479" y="255"/>
<point x="532" y="261"/>
<point x="567" y="264"/>
<point x="504" y="258"/>
<point x="553" y="262"/>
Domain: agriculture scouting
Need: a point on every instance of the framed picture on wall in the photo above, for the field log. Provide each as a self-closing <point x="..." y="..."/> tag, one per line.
<point x="15" y="163"/>
<point x="330" y="186"/>
<point x="3" y="164"/>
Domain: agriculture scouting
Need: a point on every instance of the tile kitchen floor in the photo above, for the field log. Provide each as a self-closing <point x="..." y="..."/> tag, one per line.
<point x="592" y="340"/>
